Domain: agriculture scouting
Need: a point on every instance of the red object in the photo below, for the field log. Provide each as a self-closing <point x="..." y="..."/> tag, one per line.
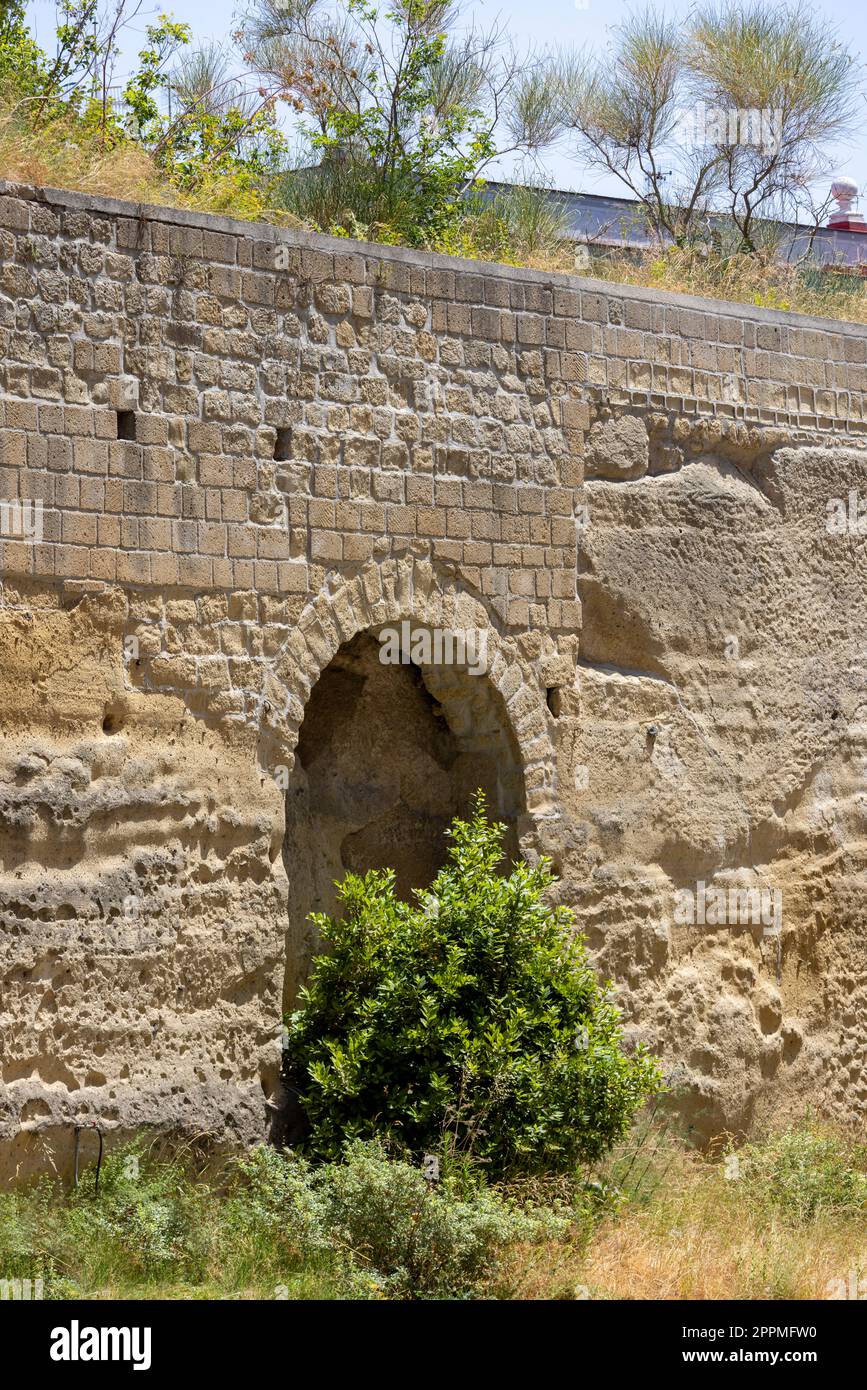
<point x="846" y="224"/>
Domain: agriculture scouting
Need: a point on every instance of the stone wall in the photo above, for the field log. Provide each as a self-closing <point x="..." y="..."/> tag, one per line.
<point x="253" y="449"/>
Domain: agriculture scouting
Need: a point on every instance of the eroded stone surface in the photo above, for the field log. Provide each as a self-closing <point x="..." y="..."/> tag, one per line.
<point x="142" y="899"/>
<point x="722" y="698"/>
<point x="617" y="448"/>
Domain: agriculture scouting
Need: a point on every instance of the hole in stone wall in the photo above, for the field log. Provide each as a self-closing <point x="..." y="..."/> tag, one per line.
<point x="283" y="445"/>
<point x="126" y="424"/>
<point x="554" y="700"/>
<point x="112" y="721"/>
<point x="387" y="756"/>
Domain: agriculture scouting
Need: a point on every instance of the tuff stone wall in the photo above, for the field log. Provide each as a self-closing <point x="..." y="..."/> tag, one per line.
<point x="252" y="449"/>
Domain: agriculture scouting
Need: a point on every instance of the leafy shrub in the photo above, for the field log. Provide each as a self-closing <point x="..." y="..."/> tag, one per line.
<point x="274" y="1212"/>
<point x="420" y="1240"/>
<point x="379" y="1225"/>
<point x="470" y="1022"/>
<point x="804" y="1173"/>
<point x="145" y="1216"/>
<point x="373" y="1224"/>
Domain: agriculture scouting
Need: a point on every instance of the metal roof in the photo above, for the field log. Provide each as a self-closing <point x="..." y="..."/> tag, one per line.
<point x="620" y="222"/>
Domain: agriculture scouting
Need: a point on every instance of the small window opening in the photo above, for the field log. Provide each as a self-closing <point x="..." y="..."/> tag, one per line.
<point x="283" y="445"/>
<point x="554" y="700"/>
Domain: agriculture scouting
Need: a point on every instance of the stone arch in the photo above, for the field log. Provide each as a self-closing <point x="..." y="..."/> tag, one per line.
<point x="410" y="587"/>
<point x="496" y="720"/>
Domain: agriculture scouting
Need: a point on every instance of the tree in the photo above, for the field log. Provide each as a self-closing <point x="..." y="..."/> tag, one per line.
<point x="217" y="128"/>
<point x="729" y="111"/>
<point x="195" y="121"/>
<point x="470" y="1021"/>
<point x="21" y="59"/>
<point x="400" y="110"/>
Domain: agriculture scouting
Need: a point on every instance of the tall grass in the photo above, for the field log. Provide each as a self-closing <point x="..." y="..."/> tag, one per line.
<point x="784" y="1218"/>
<point x="781" y="1218"/>
<point x="523" y="225"/>
<point x="64" y="154"/>
<point x="269" y="1225"/>
<point x="760" y="280"/>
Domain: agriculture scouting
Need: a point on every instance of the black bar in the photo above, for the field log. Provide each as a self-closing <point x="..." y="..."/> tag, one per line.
<point x="244" y="1336"/>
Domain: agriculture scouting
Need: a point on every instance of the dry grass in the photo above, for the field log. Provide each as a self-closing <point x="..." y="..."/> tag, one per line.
<point x="694" y="1234"/>
<point x="57" y="156"/>
<point x="52" y="157"/>
<point x="756" y="280"/>
<point x="47" y="159"/>
<point x="702" y="1241"/>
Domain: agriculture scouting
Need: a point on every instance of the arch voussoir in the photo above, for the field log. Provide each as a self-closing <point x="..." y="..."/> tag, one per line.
<point x="388" y="592"/>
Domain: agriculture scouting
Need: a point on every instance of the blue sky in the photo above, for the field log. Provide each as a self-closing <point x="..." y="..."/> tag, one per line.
<point x="551" y="24"/>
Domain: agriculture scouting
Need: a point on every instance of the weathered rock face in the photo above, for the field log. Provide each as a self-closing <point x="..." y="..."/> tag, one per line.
<point x="251" y="468"/>
<point x="142" y="910"/>
<point x="722" y="725"/>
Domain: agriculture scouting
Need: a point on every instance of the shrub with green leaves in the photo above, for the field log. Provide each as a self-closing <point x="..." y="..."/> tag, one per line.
<point x="146" y="1215"/>
<point x="375" y="1226"/>
<point x="804" y="1173"/>
<point x="415" y="1238"/>
<point x="469" y="1022"/>
<point x="274" y="1209"/>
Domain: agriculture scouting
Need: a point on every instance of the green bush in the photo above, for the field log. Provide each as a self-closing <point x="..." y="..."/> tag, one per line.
<point x="468" y="1023"/>
<point x="274" y="1213"/>
<point x="376" y="1225"/>
<point x="146" y="1216"/>
<point x="804" y="1173"/>
<point x="419" y="1240"/>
